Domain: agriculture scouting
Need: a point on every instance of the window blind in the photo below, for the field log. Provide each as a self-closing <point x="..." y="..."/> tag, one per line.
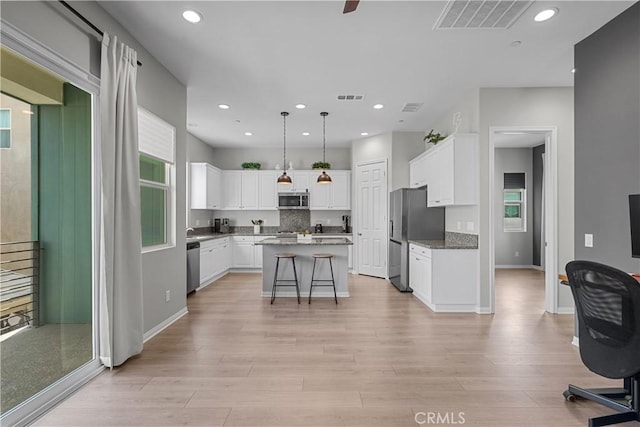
<point x="156" y="138"/>
<point x="514" y="181"/>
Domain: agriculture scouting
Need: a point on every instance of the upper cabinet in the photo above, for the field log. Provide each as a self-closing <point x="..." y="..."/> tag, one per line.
<point x="333" y="196"/>
<point x="450" y="171"/>
<point x="206" y="186"/>
<point x="268" y="190"/>
<point x="301" y="182"/>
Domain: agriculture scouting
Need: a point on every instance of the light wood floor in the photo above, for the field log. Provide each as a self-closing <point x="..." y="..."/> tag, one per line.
<point x="376" y="359"/>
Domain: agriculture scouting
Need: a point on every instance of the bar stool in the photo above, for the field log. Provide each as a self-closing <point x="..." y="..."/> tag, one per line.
<point x="313" y="279"/>
<point x="292" y="257"/>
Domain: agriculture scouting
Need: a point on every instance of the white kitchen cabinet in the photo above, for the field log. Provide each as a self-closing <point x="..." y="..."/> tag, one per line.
<point x="333" y="196"/>
<point x="243" y="252"/>
<point x="241" y="190"/>
<point x="268" y="194"/>
<point x="301" y="181"/>
<point x="232" y="189"/>
<point x="214" y="259"/>
<point x="249" y="190"/>
<point x="450" y="171"/>
<point x="206" y="186"/>
<point x="445" y="280"/>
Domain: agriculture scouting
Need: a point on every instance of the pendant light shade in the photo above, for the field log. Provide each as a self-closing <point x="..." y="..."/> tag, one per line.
<point x="324" y="178"/>
<point x="284" y="178"/>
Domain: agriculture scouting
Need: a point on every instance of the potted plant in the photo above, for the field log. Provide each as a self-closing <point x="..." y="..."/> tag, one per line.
<point x="321" y="165"/>
<point x="433" y="138"/>
<point x="250" y="165"/>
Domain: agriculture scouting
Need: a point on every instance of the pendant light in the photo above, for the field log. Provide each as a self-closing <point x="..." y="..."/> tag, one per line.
<point x="284" y="178"/>
<point x="324" y="178"/>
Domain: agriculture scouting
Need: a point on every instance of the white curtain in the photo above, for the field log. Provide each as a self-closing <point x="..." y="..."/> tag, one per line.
<point x="121" y="327"/>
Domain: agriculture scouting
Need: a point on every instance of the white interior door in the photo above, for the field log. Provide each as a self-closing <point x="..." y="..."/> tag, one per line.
<point x="371" y="218"/>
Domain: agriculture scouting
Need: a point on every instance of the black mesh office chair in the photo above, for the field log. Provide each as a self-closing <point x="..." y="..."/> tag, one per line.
<point x="608" y="307"/>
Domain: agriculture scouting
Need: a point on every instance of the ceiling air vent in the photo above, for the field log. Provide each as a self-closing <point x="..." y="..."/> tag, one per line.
<point x="350" y="97"/>
<point x="481" y="14"/>
<point x="412" y="107"/>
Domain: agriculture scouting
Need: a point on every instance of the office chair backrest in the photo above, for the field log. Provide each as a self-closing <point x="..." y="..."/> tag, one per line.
<point x="608" y="306"/>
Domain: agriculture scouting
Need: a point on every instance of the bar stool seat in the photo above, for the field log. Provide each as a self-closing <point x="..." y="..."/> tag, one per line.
<point x="292" y="257"/>
<point x="329" y="257"/>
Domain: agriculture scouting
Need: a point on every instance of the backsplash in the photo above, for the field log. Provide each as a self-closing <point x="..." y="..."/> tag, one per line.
<point x="295" y="220"/>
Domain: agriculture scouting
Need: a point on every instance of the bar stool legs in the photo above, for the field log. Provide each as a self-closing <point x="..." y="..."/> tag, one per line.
<point x="276" y="280"/>
<point x="313" y="273"/>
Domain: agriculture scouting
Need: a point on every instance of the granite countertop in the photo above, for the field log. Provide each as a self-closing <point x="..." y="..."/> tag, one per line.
<point x="313" y="241"/>
<point x="205" y="237"/>
<point x="443" y="244"/>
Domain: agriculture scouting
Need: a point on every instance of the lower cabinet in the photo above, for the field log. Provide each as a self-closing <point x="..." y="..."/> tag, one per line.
<point x="215" y="258"/>
<point x="445" y="280"/>
<point x="246" y="254"/>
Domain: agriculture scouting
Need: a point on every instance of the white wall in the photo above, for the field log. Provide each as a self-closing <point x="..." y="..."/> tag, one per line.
<point x="507" y="244"/>
<point x="404" y="147"/>
<point x="158" y="91"/>
<point x="530" y="107"/>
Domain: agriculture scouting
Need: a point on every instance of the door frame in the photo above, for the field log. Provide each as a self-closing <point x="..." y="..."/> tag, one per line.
<point x="550" y="212"/>
<point x="354" y="214"/>
<point x="38" y="53"/>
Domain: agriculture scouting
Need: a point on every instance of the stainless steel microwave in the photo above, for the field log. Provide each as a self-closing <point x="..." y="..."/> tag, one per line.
<point x="293" y="200"/>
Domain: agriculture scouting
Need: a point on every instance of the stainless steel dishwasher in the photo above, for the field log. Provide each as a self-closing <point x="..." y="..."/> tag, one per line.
<point x="193" y="266"/>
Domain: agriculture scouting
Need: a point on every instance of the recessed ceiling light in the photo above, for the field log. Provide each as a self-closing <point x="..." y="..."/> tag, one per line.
<point x="192" y="16"/>
<point x="223" y="106"/>
<point x="306" y="133"/>
<point x="248" y="133"/>
<point x="545" y="15"/>
<point x="378" y="106"/>
<point x="573" y="70"/>
<point x="516" y="43"/>
<point x="301" y="106"/>
<point x="364" y="133"/>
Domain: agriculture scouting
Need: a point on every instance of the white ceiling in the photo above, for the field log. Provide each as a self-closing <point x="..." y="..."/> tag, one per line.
<point x="263" y="57"/>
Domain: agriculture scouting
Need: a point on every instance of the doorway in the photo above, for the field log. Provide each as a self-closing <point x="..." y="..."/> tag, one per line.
<point x="371" y="235"/>
<point x="48" y="335"/>
<point x="523" y="211"/>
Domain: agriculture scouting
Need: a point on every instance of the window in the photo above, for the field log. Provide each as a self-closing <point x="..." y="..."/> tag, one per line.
<point x="514" y="203"/>
<point x="157" y="181"/>
<point x="5" y="128"/>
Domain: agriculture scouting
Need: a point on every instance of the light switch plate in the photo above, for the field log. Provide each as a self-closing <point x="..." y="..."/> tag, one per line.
<point x="588" y="240"/>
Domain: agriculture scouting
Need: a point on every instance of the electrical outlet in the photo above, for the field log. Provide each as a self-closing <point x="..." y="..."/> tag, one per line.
<point x="197" y="222"/>
<point x="167" y="296"/>
<point x="588" y="240"/>
<point x="517" y="253"/>
<point x="459" y="225"/>
<point x="210" y="222"/>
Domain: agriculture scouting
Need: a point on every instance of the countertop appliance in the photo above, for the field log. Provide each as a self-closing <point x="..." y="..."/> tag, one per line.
<point x="293" y="200"/>
<point x="221" y="225"/>
<point x="410" y="219"/>
<point x="317" y="228"/>
<point x="193" y="266"/>
<point x="346" y="223"/>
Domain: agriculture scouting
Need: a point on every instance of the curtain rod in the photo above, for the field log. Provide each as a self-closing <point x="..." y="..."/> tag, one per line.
<point x="86" y="21"/>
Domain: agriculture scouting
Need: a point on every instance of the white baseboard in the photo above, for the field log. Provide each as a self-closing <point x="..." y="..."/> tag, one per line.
<point x="213" y="279"/>
<point x="246" y="270"/>
<point x="318" y="294"/>
<point x="566" y="310"/>
<point x="483" y="310"/>
<point x="576" y="341"/>
<point x="534" y="267"/>
<point x="162" y="326"/>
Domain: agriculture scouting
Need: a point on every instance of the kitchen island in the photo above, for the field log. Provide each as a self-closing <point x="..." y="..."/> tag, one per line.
<point x="304" y="249"/>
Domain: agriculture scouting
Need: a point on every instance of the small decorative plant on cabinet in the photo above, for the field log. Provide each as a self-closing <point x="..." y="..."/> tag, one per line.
<point x="250" y="165"/>
<point x="433" y="138"/>
<point x="321" y="165"/>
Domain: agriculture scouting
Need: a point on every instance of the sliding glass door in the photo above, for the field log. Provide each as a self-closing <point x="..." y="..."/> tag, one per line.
<point x="47" y="292"/>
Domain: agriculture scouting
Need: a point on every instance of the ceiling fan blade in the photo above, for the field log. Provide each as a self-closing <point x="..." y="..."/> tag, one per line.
<point x="350" y="5"/>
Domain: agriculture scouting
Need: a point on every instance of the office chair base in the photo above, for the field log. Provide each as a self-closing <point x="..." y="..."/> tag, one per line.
<point x="606" y="397"/>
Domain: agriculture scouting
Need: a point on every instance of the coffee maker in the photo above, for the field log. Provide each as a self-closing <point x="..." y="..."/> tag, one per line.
<point x="346" y="223"/>
<point x="221" y="225"/>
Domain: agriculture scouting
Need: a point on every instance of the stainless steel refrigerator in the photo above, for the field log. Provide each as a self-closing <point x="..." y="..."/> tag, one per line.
<point x="410" y="219"/>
